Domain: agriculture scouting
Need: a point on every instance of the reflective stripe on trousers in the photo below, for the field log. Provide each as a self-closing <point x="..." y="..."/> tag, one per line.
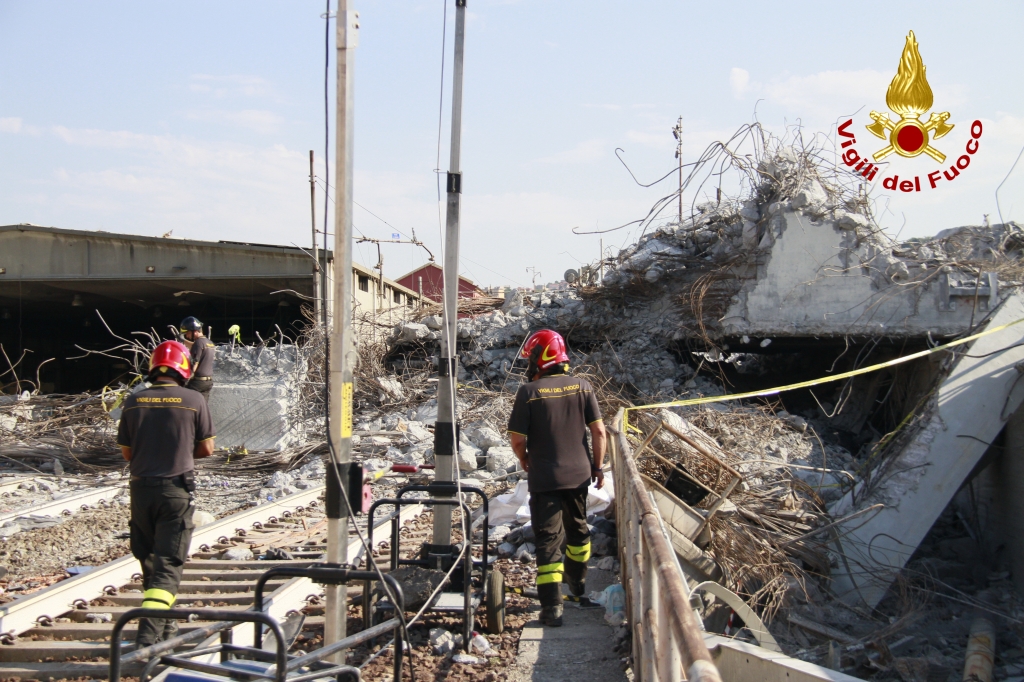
<point x="549" y="573"/>
<point x="155" y="598"/>
<point x="579" y="553"/>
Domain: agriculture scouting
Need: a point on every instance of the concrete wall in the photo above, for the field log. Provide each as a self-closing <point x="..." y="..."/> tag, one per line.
<point x="973" y="404"/>
<point x="820" y="279"/>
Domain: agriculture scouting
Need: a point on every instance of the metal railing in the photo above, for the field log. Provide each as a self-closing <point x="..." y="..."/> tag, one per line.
<point x="668" y="641"/>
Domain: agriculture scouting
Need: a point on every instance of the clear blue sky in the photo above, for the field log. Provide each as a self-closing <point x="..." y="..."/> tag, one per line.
<point x="198" y="117"/>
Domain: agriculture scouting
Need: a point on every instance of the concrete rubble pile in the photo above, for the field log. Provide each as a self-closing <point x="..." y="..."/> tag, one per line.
<point x="733" y="298"/>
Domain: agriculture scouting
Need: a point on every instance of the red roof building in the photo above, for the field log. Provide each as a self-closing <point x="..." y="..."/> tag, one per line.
<point x="428" y="280"/>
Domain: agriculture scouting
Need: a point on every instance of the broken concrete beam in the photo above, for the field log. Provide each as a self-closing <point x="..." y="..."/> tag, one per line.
<point x="816" y="279"/>
<point x="253" y="414"/>
<point x="969" y="410"/>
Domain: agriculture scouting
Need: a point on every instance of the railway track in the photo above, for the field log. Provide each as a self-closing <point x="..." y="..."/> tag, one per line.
<point x="62" y="632"/>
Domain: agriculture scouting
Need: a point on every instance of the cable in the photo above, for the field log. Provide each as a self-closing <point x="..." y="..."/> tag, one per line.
<point x="327" y="194"/>
<point x="381" y="219"/>
<point x="370" y="563"/>
<point x="492" y="271"/>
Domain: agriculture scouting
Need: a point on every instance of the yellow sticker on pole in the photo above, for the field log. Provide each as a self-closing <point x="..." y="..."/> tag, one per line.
<point x="346" y="409"/>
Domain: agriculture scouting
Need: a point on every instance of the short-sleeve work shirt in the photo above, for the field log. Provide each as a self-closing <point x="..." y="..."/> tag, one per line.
<point x="162" y="425"/>
<point x="553" y="413"/>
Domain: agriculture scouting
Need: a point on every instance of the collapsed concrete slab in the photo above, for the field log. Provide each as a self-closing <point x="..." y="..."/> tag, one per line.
<point x="954" y="429"/>
<point x="820" y="277"/>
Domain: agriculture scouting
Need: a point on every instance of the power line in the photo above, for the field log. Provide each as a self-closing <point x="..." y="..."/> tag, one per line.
<point x="440" y="112"/>
<point x="382" y="220"/>
<point x="327" y="195"/>
<point x="511" y="279"/>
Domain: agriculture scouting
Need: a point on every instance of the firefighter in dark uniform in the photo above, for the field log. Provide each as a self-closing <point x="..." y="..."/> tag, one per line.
<point x="548" y="425"/>
<point x="163" y="429"/>
<point x="203" y="352"/>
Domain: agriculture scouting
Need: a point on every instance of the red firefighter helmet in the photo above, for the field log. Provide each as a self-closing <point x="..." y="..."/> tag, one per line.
<point x="552" y="347"/>
<point x="174" y="356"/>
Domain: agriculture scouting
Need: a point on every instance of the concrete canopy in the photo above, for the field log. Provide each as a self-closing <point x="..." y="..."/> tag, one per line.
<point x="53" y="282"/>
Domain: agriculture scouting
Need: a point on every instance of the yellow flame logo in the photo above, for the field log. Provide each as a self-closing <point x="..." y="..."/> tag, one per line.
<point x="910" y="96"/>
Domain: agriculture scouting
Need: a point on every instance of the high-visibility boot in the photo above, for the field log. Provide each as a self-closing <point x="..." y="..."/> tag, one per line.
<point x="170" y="629"/>
<point x="550" y="596"/>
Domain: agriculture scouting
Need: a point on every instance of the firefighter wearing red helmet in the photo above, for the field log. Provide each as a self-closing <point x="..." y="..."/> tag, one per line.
<point x="163" y="429"/>
<point x="548" y="427"/>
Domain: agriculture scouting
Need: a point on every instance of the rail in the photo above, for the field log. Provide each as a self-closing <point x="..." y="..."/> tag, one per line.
<point x="668" y="641"/>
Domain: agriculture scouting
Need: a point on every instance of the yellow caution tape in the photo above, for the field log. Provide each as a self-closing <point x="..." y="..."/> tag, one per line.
<point x="120" y="392"/>
<point x="818" y="382"/>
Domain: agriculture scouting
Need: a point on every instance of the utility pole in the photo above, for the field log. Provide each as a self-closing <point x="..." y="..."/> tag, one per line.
<point x="380" y="270"/>
<point x="678" y="133"/>
<point x="600" y="264"/>
<point x="316" y="255"/>
<point x="340" y="380"/>
<point x="446" y="440"/>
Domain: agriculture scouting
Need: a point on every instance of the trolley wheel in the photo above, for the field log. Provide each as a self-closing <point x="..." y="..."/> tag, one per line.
<point x="494" y="601"/>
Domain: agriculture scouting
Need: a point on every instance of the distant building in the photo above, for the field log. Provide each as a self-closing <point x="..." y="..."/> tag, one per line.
<point x="428" y="280"/>
<point x="498" y="292"/>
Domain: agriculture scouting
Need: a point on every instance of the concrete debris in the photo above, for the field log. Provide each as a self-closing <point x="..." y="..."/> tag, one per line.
<point x="254" y="393"/>
<point x="525" y="552"/>
<point x="236" y="554"/>
<point x="467" y="455"/>
<point x="498" y="533"/>
<point x="441" y="641"/>
<point x="417" y="585"/>
<point x="501" y="460"/>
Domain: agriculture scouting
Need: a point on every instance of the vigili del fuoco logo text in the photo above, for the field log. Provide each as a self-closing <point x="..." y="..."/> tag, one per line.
<point x="910" y="97"/>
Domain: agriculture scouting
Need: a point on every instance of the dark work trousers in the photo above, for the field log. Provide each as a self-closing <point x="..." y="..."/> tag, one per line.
<point x="161" y="531"/>
<point x="202" y="386"/>
<point x="559" y="520"/>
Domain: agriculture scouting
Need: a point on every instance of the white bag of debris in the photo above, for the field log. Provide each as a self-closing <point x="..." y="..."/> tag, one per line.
<point x="515" y="506"/>
<point x="599" y="500"/>
<point x="503" y="508"/>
